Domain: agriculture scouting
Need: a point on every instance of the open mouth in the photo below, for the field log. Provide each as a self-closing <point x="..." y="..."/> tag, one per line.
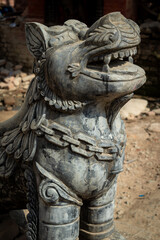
<point x="109" y="67"/>
<point x="113" y="67"/>
<point x="105" y="62"/>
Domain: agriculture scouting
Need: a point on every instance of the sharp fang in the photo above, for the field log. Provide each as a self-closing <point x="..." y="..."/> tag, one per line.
<point x="131" y="52"/>
<point x="107" y="59"/>
<point x="135" y="51"/>
<point x="105" y="68"/>
<point x="130" y="59"/>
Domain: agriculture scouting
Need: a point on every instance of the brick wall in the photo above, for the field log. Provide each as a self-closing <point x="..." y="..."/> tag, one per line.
<point x="13" y="45"/>
<point x="11" y="2"/>
<point x="126" y="7"/>
<point x="149" y="59"/>
<point x="36" y="9"/>
<point x="149" y="50"/>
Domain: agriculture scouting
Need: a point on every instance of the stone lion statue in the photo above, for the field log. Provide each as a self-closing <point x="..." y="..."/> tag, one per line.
<point x="62" y="152"/>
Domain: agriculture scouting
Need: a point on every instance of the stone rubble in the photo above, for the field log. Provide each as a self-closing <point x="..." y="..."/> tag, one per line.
<point x="14" y="83"/>
<point x="156" y="111"/>
<point x="140" y="108"/>
<point x="154" y="127"/>
<point x="133" y="108"/>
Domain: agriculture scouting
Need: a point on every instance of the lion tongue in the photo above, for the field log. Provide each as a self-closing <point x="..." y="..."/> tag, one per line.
<point x="107" y="60"/>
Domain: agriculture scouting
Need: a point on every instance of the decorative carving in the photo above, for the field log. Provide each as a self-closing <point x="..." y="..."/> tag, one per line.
<point x="32" y="206"/>
<point x="51" y="189"/>
<point x="69" y="133"/>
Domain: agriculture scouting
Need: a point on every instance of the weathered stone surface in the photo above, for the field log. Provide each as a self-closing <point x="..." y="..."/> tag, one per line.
<point x="68" y="138"/>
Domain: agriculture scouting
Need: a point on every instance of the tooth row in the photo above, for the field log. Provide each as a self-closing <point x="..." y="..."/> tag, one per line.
<point x="119" y="54"/>
<point x="125" y="53"/>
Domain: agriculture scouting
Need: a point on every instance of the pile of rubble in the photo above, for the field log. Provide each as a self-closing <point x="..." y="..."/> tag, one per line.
<point x="137" y="108"/>
<point x="13" y="85"/>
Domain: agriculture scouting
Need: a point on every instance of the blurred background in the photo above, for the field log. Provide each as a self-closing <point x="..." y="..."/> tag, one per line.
<point x="138" y="197"/>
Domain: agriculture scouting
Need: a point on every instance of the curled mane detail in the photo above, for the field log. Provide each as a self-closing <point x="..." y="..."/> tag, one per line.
<point x="21" y="142"/>
<point x="49" y="96"/>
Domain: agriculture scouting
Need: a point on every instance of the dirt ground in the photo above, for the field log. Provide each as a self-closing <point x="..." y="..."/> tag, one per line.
<point x="137" y="213"/>
<point x="138" y="197"/>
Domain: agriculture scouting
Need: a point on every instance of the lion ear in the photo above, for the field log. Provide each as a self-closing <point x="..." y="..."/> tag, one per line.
<point x="36" y="38"/>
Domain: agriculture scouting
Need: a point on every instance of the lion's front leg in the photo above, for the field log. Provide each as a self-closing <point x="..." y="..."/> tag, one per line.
<point x="59" y="208"/>
<point x="59" y="221"/>
<point x="97" y="217"/>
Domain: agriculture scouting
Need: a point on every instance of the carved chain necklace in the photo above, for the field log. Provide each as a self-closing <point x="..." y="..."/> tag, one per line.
<point x="80" y="143"/>
<point x="21" y="142"/>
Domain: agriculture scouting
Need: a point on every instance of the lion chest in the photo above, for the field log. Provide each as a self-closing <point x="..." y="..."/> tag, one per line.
<point x="83" y="159"/>
<point x="84" y="174"/>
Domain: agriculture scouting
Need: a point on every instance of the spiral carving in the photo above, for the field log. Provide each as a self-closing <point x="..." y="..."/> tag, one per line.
<point x="48" y="191"/>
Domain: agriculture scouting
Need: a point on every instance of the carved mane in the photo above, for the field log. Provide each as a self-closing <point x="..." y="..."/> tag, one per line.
<point x="21" y="142"/>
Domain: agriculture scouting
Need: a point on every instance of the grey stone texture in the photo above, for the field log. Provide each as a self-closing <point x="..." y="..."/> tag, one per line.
<point x="68" y="138"/>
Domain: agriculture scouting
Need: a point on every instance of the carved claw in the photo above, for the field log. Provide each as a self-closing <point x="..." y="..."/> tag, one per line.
<point x="74" y="69"/>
